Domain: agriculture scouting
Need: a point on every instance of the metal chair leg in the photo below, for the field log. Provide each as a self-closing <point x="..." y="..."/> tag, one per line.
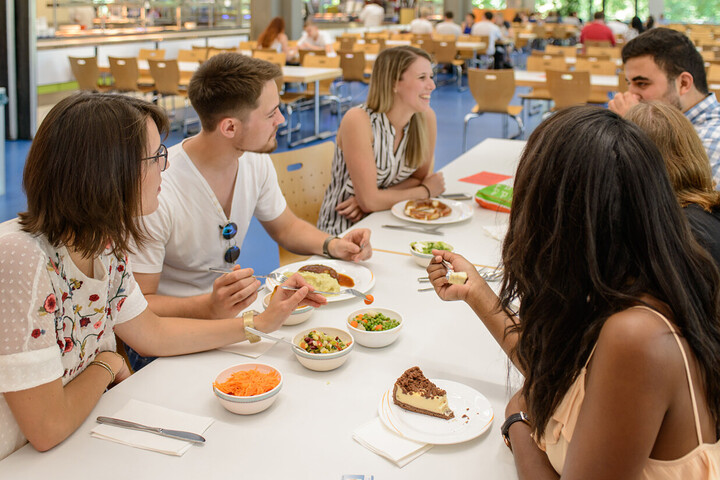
<point x="468" y="117"/>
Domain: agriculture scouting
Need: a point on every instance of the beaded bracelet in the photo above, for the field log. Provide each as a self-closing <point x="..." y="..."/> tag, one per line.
<point x="426" y="189"/>
<point x="104" y="365"/>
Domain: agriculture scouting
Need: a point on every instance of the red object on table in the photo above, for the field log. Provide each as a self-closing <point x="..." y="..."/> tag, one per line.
<point x="485" y="178"/>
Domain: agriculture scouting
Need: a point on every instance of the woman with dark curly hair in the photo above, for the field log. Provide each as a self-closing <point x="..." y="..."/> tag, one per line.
<point x="617" y="333"/>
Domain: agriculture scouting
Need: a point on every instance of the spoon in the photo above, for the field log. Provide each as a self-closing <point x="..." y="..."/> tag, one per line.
<point x="271" y="337"/>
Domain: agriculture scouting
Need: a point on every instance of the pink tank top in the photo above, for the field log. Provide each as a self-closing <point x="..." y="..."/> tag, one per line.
<point x="702" y="463"/>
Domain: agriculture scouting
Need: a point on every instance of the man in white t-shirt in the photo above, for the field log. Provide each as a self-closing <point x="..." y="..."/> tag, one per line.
<point x="372" y="15"/>
<point x="488" y="29"/>
<point x="313" y="39"/>
<point x="421" y="25"/>
<point x="448" y="26"/>
<point x="216" y="184"/>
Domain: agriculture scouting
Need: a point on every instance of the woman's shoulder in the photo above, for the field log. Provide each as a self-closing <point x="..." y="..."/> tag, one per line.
<point x="14" y="241"/>
<point x="356" y="116"/>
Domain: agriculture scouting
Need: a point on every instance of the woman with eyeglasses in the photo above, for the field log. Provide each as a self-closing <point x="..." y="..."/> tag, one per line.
<point x="618" y="332"/>
<point x="66" y="288"/>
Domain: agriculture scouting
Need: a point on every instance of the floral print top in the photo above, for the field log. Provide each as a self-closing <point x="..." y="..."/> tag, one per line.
<point x="54" y="320"/>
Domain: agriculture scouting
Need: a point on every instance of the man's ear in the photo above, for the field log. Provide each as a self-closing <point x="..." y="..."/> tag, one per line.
<point x="684" y="83"/>
<point x="229" y="127"/>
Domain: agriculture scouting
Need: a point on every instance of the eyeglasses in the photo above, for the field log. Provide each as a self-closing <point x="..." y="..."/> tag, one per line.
<point x="228" y="232"/>
<point x="161" y="158"/>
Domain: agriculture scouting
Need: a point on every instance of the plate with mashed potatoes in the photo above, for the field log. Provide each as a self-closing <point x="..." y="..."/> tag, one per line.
<point x="329" y="276"/>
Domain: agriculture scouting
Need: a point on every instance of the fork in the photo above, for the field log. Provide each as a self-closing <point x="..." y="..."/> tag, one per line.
<point x="276" y="276"/>
<point x="351" y="291"/>
<point x="486" y="273"/>
<point x="430" y="230"/>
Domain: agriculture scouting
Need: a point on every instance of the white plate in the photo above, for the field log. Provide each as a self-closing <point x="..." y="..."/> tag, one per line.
<point x="362" y="276"/>
<point x="460" y="212"/>
<point x="473" y="415"/>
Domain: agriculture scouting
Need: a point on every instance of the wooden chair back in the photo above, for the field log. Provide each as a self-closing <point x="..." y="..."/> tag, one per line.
<point x="247" y="45"/>
<point x="348" y="44"/>
<point x="592" y="58"/>
<point x="190" y="56"/>
<point x="492" y="89"/>
<point x="302" y="52"/>
<point x="570" y="51"/>
<point x="425" y="42"/>
<point x="147" y="54"/>
<point x="438" y="37"/>
<point x="597" y="43"/>
<point x="622" y="82"/>
<point x="538" y="31"/>
<point x="212" y="51"/>
<point x="536" y="63"/>
<point x="600" y="67"/>
<point x="376" y="40"/>
<point x="401" y="36"/>
<point x="125" y="72"/>
<point x="278" y="58"/>
<point x="368" y="47"/>
<point x="321" y="61"/>
<point x="353" y="66"/>
<point x="304" y="187"/>
<point x="713" y="73"/>
<point x="445" y="52"/>
<point x="568" y="88"/>
<point x="166" y="74"/>
<point x="86" y="72"/>
<point x="202" y="52"/>
<point x="612" y="52"/>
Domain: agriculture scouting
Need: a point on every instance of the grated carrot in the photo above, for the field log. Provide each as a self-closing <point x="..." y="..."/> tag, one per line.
<point x="246" y="383"/>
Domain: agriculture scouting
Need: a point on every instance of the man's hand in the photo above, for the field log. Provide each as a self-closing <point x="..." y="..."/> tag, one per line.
<point x="622" y="102"/>
<point x="233" y="292"/>
<point x="354" y="246"/>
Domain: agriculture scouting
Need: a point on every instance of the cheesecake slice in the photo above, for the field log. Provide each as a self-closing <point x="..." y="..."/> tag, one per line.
<point x="414" y="392"/>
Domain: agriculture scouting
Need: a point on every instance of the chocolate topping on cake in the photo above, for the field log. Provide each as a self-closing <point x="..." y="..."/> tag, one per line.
<point x="413" y="380"/>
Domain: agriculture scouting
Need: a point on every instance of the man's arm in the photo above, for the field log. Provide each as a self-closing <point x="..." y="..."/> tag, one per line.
<point x="300" y="237"/>
<point x="231" y="294"/>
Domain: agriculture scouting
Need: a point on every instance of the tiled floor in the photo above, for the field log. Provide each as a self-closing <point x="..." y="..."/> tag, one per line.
<point x="259" y="250"/>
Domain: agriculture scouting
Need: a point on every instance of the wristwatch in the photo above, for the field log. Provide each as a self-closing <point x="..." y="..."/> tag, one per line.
<point x="249" y="321"/>
<point x="326" y="244"/>
<point x="515" y="417"/>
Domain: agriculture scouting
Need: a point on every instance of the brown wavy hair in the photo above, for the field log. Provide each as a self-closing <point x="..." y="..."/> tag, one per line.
<point x="594" y="227"/>
<point x="271" y="32"/>
<point x="83" y="174"/>
<point x="685" y="157"/>
<point x="389" y="68"/>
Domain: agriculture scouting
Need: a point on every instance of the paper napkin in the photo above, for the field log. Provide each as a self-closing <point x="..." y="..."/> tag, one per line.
<point x="154" y="416"/>
<point x="378" y="439"/>
<point x="485" y="178"/>
<point x="252" y="350"/>
<point x="497" y="232"/>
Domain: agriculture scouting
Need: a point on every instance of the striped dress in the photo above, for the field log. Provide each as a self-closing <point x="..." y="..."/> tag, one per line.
<point x="391" y="170"/>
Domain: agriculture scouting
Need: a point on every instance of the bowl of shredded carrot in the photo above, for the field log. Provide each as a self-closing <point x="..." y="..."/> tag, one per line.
<point x="247" y="388"/>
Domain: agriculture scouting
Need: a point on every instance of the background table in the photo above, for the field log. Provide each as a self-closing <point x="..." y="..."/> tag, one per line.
<point x="307" y="433"/>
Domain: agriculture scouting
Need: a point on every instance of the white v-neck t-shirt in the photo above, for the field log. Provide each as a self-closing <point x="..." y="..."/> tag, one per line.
<point x="186" y="229"/>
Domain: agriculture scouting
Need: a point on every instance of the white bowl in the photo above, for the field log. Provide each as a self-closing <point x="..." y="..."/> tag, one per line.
<point x="375" y="339"/>
<point x="423" y="259"/>
<point x="251" y="404"/>
<point x="298" y="316"/>
<point x="322" y="362"/>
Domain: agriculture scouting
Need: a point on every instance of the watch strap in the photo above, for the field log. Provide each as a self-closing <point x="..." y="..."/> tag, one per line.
<point x="326" y="244"/>
<point x="509" y="421"/>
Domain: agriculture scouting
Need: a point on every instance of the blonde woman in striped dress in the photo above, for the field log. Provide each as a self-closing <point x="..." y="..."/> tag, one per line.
<point x="384" y="151"/>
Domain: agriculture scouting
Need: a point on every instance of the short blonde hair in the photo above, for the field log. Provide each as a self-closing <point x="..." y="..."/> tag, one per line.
<point x="389" y="67"/>
<point x="685" y="158"/>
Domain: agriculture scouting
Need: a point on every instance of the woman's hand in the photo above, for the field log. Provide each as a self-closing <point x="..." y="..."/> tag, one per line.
<point x="350" y="209"/>
<point x="283" y="302"/>
<point x="435" y="183"/>
<point x="447" y="291"/>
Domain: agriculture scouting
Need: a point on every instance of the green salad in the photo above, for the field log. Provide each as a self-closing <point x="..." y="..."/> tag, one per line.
<point x="428" y="247"/>
<point x="373" y="322"/>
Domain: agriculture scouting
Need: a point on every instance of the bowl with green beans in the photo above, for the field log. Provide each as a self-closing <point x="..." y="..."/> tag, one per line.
<point x="375" y="327"/>
<point x="422" y="251"/>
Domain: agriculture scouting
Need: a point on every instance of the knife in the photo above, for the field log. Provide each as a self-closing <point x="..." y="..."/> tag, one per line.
<point x="164" y="432"/>
<point x="429" y="231"/>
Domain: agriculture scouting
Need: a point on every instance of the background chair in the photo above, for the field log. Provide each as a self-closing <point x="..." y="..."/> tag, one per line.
<point x="568" y="88"/>
<point x="147" y="54"/>
<point x="304" y="187"/>
<point x="598" y="67"/>
<point x="127" y="77"/>
<point x="445" y="54"/>
<point x="166" y="74"/>
<point x="353" y="66"/>
<point x="493" y="90"/>
<point x="87" y="74"/>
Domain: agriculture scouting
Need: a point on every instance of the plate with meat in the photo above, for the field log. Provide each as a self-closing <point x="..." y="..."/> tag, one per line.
<point x="329" y="276"/>
<point x="432" y="211"/>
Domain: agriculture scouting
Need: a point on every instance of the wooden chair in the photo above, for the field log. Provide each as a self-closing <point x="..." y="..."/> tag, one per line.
<point x="540" y="63"/>
<point x="87" y="74"/>
<point x="599" y="67"/>
<point x="247" y="45"/>
<point x="368" y="47"/>
<point x="347" y="44"/>
<point x="570" y="51"/>
<point x="380" y="41"/>
<point x="166" y="74"/>
<point x="597" y="43"/>
<point x="401" y="36"/>
<point x="568" y="88"/>
<point x="493" y="90"/>
<point x="353" y="66"/>
<point x="597" y="51"/>
<point x="713" y="73"/>
<point x="126" y="75"/>
<point x="326" y="90"/>
<point x="147" y="54"/>
<point x="622" y="82"/>
<point x="212" y="51"/>
<point x="202" y="52"/>
<point x="446" y="54"/>
<point x="302" y="52"/>
<point x="592" y="58"/>
<point x="191" y="56"/>
<point x="304" y="187"/>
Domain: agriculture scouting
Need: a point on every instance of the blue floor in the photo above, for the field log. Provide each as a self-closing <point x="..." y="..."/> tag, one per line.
<point x="259" y="251"/>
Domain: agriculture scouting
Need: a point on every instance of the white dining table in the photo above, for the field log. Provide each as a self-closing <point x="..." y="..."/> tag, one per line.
<point x="307" y="433"/>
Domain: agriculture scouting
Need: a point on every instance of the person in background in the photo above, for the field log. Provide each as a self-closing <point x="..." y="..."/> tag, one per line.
<point x="618" y="28"/>
<point x="650" y="23"/>
<point x="313" y="39"/>
<point x="68" y="288"/>
<point x="533" y="18"/>
<point x="597" y="30"/>
<point x="220" y="179"/>
<point x="274" y="37"/>
<point x="487" y="28"/>
<point x="636" y="28"/>
<point x="605" y="327"/>
<point x="421" y="25"/>
<point x="372" y="14"/>
<point x="552" y="17"/>
<point x="572" y="19"/>
<point x="663" y="64"/>
<point x="688" y="168"/>
<point x="448" y="26"/>
<point x="468" y="23"/>
<point x="83" y="16"/>
<point x="384" y="151"/>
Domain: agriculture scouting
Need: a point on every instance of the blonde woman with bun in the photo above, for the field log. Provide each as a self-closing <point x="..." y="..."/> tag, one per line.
<point x="688" y="167"/>
<point x="384" y="148"/>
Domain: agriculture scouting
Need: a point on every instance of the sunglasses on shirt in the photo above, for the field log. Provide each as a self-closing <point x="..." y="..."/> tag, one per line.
<point x="228" y="232"/>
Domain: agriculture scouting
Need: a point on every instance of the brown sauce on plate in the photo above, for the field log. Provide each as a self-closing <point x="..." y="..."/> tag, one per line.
<point x="345" y="281"/>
